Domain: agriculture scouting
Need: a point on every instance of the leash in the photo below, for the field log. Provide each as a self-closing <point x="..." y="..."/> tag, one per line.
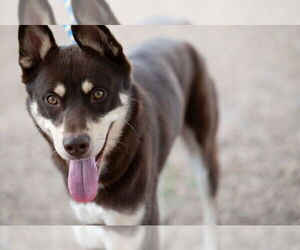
<point x="69" y="32"/>
<point x="69" y="9"/>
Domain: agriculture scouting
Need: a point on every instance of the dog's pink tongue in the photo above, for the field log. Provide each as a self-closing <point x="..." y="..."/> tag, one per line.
<point x="83" y="180"/>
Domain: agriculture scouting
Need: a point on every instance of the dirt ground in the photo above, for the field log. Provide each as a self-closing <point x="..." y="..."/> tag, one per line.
<point x="183" y="237"/>
<point x="212" y="12"/>
<point x="256" y="70"/>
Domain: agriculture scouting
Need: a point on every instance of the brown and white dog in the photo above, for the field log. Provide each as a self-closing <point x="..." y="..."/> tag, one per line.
<point x="85" y="12"/>
<point x="112" y="119"/>
<point x="89" y="12"/>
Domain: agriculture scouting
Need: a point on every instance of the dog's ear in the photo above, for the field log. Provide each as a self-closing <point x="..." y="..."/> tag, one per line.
<point x="99" y="39"/>
<point x="35" y="43"/>
<point x="93" y="12"/>
<point x="35" y="12"/>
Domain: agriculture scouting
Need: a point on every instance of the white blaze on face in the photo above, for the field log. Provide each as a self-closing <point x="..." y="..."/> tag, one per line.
<point x="96" y="130"/>
<point x="56" y="133"/>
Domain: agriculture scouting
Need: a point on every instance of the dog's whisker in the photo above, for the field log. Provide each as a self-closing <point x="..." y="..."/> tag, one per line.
<point x="54" y="152"/>
<point x="100" y="139"/>
<point x="132" y="99"/>
<point x="132" y="127"/>
<point x="119" y="143"/>
<point x="114" y="140"/>
<point x="135" y="100"/>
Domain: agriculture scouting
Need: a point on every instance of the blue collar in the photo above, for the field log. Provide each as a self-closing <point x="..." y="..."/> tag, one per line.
<point x="68" y="6"/>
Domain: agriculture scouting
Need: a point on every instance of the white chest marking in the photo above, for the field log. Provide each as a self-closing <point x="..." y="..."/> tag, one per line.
<point x="91" y="213"/>
<point x="97" y="237"/>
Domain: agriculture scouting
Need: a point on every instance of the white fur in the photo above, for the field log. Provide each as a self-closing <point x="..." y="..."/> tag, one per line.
<point x="117" y="129"/>
<point x="54" y="132"/>
<point x="46" y="45"/>
<point x="95" y="237"/>
<point x="87" y="86"/>
<point x="96" y="130"/>
<point x="26" y="62"/>
<point x="60" y="89"/>
<point x="208" y="203"/>
<point x="90" y="237"/>
<point x="91" y="213"/>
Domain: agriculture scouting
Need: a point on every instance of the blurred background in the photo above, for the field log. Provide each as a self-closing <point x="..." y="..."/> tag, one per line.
<point x="215" y="12"/>
<point x="256" y="70"/>
<point x="172" y="238"/>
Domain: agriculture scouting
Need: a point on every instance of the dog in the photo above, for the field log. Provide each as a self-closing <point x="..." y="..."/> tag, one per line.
<point x="111" y="119"/>
<point x="85" y="12"/>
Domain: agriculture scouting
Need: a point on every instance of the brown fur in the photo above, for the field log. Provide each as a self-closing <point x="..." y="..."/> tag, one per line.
<point x="169" y="89"/>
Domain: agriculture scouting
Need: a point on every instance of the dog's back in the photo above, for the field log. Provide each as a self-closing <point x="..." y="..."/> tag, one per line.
<point x="174" y="77"/>
<point x="164" y="71"/>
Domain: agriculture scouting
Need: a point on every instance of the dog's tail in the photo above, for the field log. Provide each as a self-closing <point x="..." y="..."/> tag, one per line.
<point x="200" y="136"/>
<point x="202" y="118"/>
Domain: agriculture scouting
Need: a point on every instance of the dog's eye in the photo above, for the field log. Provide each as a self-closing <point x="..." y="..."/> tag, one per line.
<point x="99" y="94"/>
<point x="52" y="100"/>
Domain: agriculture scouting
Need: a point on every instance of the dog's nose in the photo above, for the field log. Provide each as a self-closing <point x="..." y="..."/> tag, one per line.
<point x="77" y="146"/>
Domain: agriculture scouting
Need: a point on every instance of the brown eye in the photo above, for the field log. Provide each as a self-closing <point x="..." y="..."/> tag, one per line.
<point x="99" y="94"/>
<point x="52" y="100"/>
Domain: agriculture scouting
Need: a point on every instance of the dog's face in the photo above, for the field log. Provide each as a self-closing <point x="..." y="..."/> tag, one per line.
<point x="79" y="95"/>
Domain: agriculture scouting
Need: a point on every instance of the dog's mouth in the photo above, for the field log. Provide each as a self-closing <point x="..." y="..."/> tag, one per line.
<point x="84" y="175"/>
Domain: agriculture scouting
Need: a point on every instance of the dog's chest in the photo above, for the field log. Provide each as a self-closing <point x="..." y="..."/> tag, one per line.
<point x="110" y="238"/>
<point x="91" y="213"/>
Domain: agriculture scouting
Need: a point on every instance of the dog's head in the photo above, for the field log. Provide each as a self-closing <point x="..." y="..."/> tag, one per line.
<point x="78" y="96"/>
